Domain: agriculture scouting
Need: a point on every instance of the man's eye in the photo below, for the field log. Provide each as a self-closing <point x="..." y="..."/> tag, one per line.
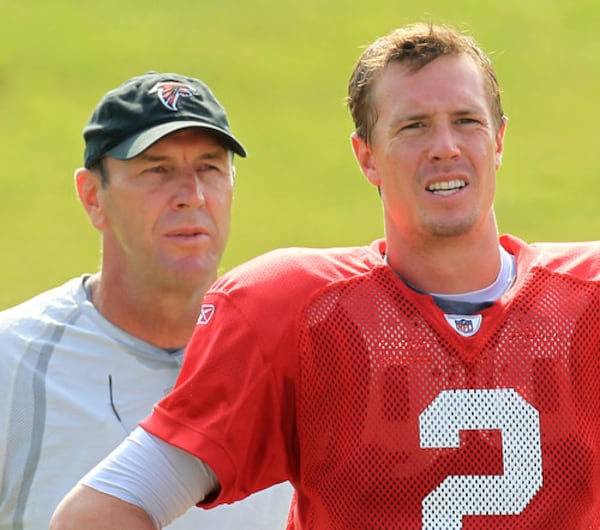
<point x="157" y="169"/>
<point x="464" y="121"/>
<point x="208" y="168"/>
<point x="413" y="126"/>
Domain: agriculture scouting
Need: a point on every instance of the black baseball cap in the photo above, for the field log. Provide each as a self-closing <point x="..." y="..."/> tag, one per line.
<point x="145" y="108"/>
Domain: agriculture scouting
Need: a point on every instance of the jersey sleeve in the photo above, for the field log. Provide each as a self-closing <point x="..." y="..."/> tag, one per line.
<point x="233" y="405"/>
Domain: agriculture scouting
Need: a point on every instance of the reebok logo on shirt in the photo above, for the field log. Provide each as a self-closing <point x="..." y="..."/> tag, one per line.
<point x="206" y="313"/>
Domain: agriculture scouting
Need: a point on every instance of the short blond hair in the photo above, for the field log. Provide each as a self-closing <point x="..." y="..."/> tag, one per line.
<point x="415" y="45"/>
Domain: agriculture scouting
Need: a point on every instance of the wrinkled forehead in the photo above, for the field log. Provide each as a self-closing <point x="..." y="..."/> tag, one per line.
<point x="445" y="79"/>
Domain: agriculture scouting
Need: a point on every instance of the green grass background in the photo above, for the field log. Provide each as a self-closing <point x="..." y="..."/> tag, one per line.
<point x="280" y="68"/>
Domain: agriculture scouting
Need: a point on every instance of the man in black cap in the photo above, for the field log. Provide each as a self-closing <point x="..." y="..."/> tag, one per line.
<point x="84" y="362"/>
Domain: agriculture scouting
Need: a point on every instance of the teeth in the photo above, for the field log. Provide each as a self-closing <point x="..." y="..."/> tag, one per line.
<point x="447" y="185"/>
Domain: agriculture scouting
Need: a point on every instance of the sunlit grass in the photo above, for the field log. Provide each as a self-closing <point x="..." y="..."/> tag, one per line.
<point x="281" y="70"/>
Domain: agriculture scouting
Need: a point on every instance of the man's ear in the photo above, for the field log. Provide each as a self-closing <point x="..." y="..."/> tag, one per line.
<point x="89" y="190"/>
<point x="500" y="142"/>
<point x="364" y="157"/>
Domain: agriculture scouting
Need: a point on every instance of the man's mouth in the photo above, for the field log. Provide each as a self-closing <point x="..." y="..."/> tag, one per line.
<point x="447" y="187"/>
<point x="187" y="233"/>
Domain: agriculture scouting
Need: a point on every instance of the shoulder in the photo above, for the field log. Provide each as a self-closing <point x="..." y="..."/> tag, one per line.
<point x="301" y="268"/>
<point x="579" y="259"/>
<point x="276" y="286"/>
<point x="50" y="307"/>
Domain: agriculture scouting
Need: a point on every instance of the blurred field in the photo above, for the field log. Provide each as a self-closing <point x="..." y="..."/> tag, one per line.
<point x="281" y="69"/>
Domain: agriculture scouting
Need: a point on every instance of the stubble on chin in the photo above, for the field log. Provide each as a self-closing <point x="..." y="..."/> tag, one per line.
<point x="448" y="228"/>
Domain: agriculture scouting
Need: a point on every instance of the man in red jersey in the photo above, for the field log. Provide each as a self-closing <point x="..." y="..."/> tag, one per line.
<point x="442" y="378"/>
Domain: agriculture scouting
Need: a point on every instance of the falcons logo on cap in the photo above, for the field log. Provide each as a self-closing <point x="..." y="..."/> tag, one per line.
<point x="169" y="93"/>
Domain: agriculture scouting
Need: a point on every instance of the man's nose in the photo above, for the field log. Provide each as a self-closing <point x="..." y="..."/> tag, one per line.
<point x="190" y="191"/>
<point x="444" y="144"/>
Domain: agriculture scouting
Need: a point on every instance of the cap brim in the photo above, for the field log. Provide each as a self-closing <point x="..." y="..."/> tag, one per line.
<point x="138" y="143"/>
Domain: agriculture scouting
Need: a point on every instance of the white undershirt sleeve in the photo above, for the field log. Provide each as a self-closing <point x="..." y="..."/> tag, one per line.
<point x="154" y="475"/>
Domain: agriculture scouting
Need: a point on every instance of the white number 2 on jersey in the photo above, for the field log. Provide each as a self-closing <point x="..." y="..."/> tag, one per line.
<point x="519" y="424"/>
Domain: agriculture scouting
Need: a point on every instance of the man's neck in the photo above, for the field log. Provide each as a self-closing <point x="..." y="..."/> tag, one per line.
<point x="446" y="265"/>
<point x="164" y="318"/>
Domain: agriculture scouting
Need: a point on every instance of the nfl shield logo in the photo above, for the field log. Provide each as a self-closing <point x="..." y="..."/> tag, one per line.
<point x="465" y="325"/>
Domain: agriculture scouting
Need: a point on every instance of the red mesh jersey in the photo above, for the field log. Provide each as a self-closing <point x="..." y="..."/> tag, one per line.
<point x="384" y="417"/>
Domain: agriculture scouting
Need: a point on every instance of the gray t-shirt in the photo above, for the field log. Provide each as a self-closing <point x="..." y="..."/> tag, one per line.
<point x="73" y="386"/>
